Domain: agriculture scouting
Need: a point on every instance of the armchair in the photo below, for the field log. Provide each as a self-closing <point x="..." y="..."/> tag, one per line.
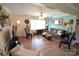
<point x="67" y="40"/>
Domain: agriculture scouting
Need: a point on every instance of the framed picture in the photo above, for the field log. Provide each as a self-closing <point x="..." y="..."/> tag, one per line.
<point x="77" y="21"/>
<point x="58" y="21"/>
<point x="71" y="21"/>
<point x="27" y="21"/>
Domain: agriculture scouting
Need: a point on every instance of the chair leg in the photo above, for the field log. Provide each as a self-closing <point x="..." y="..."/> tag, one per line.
<point x="69" y="46"/>
<point x="60" y="45"/>
<point x="31" y="36"/>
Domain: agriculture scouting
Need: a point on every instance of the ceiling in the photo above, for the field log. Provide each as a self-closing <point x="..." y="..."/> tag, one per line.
<point x="76" y="5"/>
<point x="48" y="9"/>
<point x="70" y="8"/>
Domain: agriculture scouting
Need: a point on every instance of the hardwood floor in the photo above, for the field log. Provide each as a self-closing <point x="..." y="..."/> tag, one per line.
<point x="46" y="47"/>
<point x="35" y="43"/>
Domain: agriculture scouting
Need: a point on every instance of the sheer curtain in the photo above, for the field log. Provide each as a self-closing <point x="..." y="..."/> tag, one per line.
<point x="37" y="24"/>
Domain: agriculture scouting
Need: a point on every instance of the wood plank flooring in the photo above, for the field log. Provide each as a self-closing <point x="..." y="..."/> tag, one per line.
<point x="46" y="47"/>
<point x="35" y="43"/>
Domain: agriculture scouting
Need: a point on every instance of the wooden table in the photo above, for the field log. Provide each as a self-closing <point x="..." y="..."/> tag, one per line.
<point x="47" y="35"/>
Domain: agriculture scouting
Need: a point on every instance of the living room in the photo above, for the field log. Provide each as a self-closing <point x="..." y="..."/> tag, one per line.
<point x="43" y="24"/>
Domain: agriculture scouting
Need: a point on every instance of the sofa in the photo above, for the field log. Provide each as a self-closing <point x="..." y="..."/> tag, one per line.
<point x="55" y="33"/>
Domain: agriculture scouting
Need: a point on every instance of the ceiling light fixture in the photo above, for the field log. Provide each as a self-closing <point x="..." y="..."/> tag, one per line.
<point x="41" y="15"/>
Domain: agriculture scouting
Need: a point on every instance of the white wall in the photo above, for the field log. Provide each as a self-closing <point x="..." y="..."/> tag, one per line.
<point x="74" y="23"/>
<point x="21" y="26"/>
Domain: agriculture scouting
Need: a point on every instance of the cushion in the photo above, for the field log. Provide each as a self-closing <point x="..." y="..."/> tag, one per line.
<point x="59" y="32"/>
<point x="53" y="30"/>
<point x="13" y="42"/>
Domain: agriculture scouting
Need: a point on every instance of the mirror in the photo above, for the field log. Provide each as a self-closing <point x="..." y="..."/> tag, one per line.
<point x="58" y="21"/>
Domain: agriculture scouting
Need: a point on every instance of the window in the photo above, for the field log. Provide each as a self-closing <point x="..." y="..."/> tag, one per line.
<point x="37" y="24"/>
